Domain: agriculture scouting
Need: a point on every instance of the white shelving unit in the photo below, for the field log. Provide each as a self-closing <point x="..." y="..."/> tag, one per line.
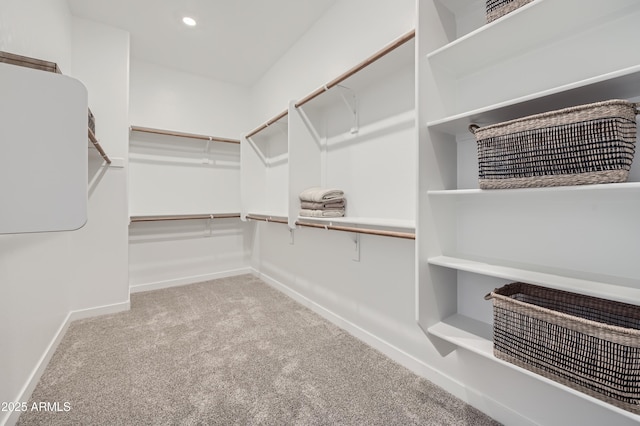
<point x="174" y="174"/>
<point x="358" y="134"/>
<point x="581" y="239"/>
<point x="265" y="169"/>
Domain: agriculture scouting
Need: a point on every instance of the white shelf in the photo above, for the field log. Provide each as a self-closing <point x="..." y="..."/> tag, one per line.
<point x="611" y="288"/>
<point x="466" y="333"/>
<point x="477" y="49"/>
<point x="623" y="84"/>
<point x="609" y="188"/>
<point x="369" y="222"/>
<point x="477" y="337"/>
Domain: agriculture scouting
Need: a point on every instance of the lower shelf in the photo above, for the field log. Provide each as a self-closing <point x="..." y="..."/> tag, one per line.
<point x="466" y="333"/>
<point x="477" y="337"/>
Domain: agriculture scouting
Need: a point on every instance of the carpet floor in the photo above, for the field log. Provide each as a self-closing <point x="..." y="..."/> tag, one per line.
<point x="232" y="351"/>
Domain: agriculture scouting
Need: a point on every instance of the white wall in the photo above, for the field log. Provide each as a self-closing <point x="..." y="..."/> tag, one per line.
<point x="165" y="98"/>
<point x="168" y="176"/>
<point x="349" y="32"/>
<point x="37" y="28"/>
<point x="47" y="279"/>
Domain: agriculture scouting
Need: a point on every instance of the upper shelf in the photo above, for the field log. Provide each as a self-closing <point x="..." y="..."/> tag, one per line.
<point x="630" y="188"/>
<point x="477" y="49"/>
<point x="391" y="57"/>
<point x="622" y="84"/>
<point x="183" y="134"/>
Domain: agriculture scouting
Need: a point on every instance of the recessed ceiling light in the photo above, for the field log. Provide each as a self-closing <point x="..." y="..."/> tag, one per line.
<point x="189" y="21"/>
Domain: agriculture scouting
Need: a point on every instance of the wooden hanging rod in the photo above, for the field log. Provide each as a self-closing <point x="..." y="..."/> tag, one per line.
<point x="277" y="219"/>
<point x="184" y="217"/>
<point x="384" y="51"/>
<point x="267" y="124"/>
<point x="96" y="144"/>
<point x="182" y="134"/>
<point x="368" y="231"/>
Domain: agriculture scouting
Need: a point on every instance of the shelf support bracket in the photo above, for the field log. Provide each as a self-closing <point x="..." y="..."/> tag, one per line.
<point x="291" y="234"/>
<point x="351" y="101"/>
<point x="356" y="253"/>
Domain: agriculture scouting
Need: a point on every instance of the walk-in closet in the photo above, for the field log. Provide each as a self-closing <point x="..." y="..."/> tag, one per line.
<point x="319" y="212"/>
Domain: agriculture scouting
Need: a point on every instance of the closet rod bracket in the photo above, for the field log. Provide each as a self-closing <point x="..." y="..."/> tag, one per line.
<point x="356" y="253"/>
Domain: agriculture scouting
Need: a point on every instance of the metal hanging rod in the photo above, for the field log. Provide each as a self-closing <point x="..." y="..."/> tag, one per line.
<point x="263" y="218"/>
<point x="184" y="217"/>
<point x="384" y="51"/>
<point x="182" y="134"/>
<point x="368" y="231"/>
<point x="267" y="124"/>
<point x="96" y="144"/>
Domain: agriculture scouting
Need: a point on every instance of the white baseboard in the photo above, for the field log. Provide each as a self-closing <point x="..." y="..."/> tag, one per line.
<point x="417" y="366"/>
<point x="41" y="365"/>
<point x="157" y="285"/>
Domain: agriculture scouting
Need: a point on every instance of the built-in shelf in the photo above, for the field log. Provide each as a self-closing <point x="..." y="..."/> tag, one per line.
<point x="607" y="287"/>
<point x="183" y="134"/>
<point x="466" y="333"/>
<point x="622" y="84"/>
<point x="159" y="218"/>
<point x="630" y="187"/>
<point x="473" y="51"/>
<point x="476" y="336"/>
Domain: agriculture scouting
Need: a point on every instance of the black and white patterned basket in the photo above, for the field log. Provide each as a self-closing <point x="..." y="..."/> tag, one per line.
<point x="585" y="144"/>
<point x="498" y="8"/>
<point x="587" y="343"/>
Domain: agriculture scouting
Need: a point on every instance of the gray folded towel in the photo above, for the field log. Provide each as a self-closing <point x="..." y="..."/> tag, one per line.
<point x="318" y="195"/>
<point x="321" y="213"/>
<point x="333" y="204"/>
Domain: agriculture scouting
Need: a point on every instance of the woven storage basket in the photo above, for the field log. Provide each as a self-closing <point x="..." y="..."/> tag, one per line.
<point x="586" y="343"/>
<point x="585" y="144"/>
<point x="498" y="8"/>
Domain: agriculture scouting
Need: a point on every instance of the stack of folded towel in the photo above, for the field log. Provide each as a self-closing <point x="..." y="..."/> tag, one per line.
<point x="322" y="202"/>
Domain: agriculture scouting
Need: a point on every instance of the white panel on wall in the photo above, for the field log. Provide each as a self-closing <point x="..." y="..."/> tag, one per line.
<point x="43" y="151"/>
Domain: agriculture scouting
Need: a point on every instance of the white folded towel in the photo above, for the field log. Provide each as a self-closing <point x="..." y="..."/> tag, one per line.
<point x="321" y="213"/>
<point x="318" y="195"/>
<point x="339" y="203"/>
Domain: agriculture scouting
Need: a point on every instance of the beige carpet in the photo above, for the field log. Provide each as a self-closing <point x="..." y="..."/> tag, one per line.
<point x="230" y="352"/>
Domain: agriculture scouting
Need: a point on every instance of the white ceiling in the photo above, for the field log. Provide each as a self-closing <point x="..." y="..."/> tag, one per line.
<point x="235" y="40"/>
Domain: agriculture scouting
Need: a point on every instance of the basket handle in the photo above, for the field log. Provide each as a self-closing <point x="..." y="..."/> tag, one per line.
<point x="473" y="126"/>
<point x="488" y="296"/>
